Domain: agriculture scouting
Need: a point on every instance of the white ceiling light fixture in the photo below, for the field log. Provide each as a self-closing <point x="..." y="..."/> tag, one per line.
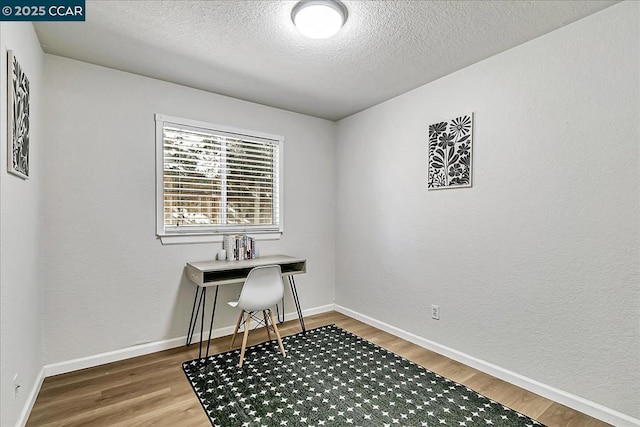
<point x="319" y="19"/>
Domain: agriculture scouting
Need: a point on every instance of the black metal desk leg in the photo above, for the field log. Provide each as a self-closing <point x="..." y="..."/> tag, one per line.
<point x="204" y="301"/>
<point x="194" y="316"/>
<point x="278" y="311"/>
<point x="213" y="313"/>
<point x="294" y="293"/>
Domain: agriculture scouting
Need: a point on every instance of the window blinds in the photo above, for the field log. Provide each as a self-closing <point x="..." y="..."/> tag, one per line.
<point x="219" y="181"/>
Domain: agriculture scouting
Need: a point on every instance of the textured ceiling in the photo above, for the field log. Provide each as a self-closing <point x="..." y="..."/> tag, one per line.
<point x="250" y="49"/>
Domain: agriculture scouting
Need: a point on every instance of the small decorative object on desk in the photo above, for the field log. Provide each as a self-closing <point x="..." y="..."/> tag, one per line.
<point x="239" y="247"/>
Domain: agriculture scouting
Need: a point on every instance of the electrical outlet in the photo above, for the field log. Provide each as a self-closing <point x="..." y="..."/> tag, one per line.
<point x="16" y="386"/>
<point x="435" y="312"/>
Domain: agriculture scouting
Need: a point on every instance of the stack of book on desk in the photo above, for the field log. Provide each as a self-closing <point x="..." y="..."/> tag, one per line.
<point x="239" y="247"/>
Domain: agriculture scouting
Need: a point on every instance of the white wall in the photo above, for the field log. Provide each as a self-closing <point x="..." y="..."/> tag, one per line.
<point x="20" y="320"/>
<point x="535" y="268"/>
<point x="109" y="283"/>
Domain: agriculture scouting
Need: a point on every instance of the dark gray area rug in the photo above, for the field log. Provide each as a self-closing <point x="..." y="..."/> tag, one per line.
<point x="331" y="377"/>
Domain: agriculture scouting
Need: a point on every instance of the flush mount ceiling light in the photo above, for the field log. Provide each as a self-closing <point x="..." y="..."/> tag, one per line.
<point x="319" y="19"/>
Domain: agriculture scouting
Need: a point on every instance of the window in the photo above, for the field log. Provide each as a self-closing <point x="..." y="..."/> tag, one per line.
<point x="214" y="180"/>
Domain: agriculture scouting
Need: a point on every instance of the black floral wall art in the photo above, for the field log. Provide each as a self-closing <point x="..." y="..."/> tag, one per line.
<point x="450" y="147"/>
<point x="17" y="118"/>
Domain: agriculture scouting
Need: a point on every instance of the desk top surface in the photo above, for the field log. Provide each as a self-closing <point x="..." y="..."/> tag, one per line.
<point x="210" y="266"/>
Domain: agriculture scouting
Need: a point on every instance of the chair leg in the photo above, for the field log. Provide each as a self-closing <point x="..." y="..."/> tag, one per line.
<point x="244" y="338"/>
<point x="266" y="323"/>
<point x="235" y="332"/>
<point x="275" y="329"/>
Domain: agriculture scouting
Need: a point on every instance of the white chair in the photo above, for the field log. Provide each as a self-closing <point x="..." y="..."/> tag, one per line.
<point x="262" y="289"/>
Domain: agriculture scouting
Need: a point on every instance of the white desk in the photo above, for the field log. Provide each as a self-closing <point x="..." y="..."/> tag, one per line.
<point x="215" y="273"/>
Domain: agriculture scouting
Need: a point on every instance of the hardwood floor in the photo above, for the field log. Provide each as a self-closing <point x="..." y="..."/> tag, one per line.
<point x="152" y="390"/>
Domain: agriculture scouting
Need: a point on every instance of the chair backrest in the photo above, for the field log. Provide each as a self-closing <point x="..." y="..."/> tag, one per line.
<point x="262" y="289"/>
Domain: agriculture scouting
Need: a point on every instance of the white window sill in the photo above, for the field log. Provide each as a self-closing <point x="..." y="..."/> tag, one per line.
<point x="181" y="239"/>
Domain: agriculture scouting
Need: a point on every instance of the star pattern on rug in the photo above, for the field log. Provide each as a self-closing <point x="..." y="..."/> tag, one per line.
<point x="331" y="377"/>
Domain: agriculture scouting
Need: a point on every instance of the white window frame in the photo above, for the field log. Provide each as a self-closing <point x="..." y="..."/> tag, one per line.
<point x="207" y="234"/>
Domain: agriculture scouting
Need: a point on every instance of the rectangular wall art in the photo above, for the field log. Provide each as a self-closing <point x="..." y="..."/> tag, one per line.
<point x="17" y="118"/>
<point x="450" y="147"/>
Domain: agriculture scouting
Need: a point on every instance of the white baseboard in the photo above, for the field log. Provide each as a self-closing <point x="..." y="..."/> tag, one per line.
<point x="31" y="399"/>
<point x="112" y="356"/>
<point x="311" y="311"/>
<point x="152" y="347"/>
<point x="578" y="403"/>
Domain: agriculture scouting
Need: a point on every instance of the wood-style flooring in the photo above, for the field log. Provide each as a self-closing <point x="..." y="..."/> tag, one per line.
<point x="152" y="390"/>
